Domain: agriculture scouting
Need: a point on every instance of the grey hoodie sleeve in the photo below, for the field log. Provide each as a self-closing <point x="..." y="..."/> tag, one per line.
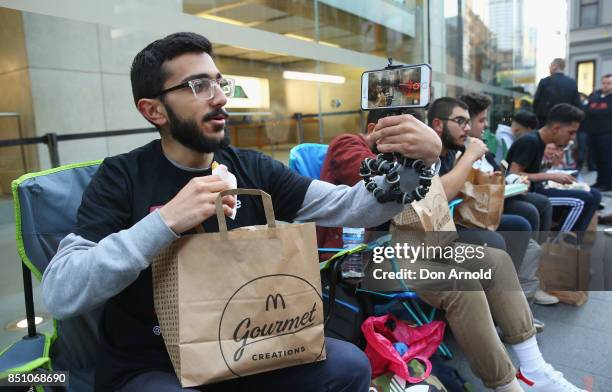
<point x="83" y="275"/>
<point x="342" y="206"/>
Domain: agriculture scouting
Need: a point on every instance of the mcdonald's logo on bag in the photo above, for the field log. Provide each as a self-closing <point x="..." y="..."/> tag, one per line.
<point x="274" y="300"/>
<point x="270" y="330"/>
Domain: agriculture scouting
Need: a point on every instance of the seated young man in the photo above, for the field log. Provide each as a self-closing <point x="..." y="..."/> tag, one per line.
<point x="532" y="206"/>
<point x="553" y="158"/>
<point x="106" y="260"/>
<point x="343" y="160"/>
<point x="471" y="306"/>
<point x="450" y="118"/>
<point x="568" y="209"/>
<point x="525" y="158"/>
<point x="522" y="123"/>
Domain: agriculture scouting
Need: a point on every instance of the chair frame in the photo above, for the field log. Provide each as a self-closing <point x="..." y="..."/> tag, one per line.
<point x="29" y="269"/>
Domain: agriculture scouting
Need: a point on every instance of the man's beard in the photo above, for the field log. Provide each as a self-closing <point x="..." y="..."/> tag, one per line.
<point x="189" y="135"/>
<point x="448" y="142"/>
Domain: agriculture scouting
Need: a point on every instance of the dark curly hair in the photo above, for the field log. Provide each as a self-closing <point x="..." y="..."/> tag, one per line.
<point x="526" y="119"/>
<point x="564" y="113"/>
<point x="476" y="102"/>
<point x="147" y="73"/>
<point x="442" y="108"/>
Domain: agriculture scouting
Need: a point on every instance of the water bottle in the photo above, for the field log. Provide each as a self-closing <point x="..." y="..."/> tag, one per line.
<point x="353" y="265"/>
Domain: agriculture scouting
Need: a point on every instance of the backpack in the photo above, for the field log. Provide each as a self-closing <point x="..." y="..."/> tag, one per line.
<point x="449" y="376"/>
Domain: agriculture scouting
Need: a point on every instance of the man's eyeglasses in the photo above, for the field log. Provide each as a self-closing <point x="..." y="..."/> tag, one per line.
<point x="204" y="88"/>
<point x="461" y="121"/>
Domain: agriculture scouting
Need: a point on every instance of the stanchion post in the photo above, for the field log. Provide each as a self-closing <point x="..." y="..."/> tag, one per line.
<point x="299" y="121"/>
<point x="53" y="149"/>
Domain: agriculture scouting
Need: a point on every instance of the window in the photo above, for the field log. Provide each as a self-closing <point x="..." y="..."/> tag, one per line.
<point x="585" y="75"/>
<point x="588" y="12"/>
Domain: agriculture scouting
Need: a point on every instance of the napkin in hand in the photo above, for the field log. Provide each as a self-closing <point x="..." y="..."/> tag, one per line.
<point x="224" y="174"/>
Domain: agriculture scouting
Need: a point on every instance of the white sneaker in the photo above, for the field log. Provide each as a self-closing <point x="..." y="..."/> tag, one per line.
<point x="552" y="381"/>
<point x="543" y="298"/>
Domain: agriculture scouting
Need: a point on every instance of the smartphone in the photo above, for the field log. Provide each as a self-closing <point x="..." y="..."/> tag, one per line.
<point x="402" y="87"/>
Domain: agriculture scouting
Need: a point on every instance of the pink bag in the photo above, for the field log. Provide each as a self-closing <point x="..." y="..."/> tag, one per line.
<point x="382" y="332"/>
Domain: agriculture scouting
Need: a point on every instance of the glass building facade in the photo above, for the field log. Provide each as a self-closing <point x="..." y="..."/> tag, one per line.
<point x="65" y="69"/>
<point x="69" y="66"/>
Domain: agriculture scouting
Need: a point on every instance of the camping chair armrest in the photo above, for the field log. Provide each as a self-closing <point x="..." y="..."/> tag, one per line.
<point x="339" y="256"/>
<point x="25" y="355"/>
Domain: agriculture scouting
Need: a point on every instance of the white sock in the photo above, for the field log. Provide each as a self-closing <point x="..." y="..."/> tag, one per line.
<point x="529" y="356"/>
<point x="514" y="386"/>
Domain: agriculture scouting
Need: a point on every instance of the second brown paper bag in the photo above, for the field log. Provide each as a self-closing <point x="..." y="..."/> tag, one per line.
<point x="483" y="200"/>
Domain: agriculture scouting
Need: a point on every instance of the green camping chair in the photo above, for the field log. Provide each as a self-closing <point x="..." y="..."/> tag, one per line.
<point x="46" y="205"/>
<point x="490" y="140"/>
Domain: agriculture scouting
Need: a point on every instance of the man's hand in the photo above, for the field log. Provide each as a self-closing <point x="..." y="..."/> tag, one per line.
<point x="408" y="136"/>
<point x="525" y="180"/>
<point x="195" y="203"/>
<point x="561" y="178"/>
<point x="475" y="149"/>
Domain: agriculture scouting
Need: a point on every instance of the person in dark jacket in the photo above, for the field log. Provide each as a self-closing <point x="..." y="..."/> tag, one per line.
<point x="554" y="89"/>
<point x="599" y="126"/>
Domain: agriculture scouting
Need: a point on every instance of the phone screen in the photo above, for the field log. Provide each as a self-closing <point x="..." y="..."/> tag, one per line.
<point x="392" y="88"/>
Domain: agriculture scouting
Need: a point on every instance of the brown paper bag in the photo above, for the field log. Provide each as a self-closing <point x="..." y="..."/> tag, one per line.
<point x="429" y="220"/>
<point x="576" y="298"/>
<point x="565" y="270"/>
<point x="483" y="201"/>
<point x="235" y="303"/>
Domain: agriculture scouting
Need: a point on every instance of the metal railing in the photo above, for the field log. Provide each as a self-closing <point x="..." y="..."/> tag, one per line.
<point x="52" y="139"/>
